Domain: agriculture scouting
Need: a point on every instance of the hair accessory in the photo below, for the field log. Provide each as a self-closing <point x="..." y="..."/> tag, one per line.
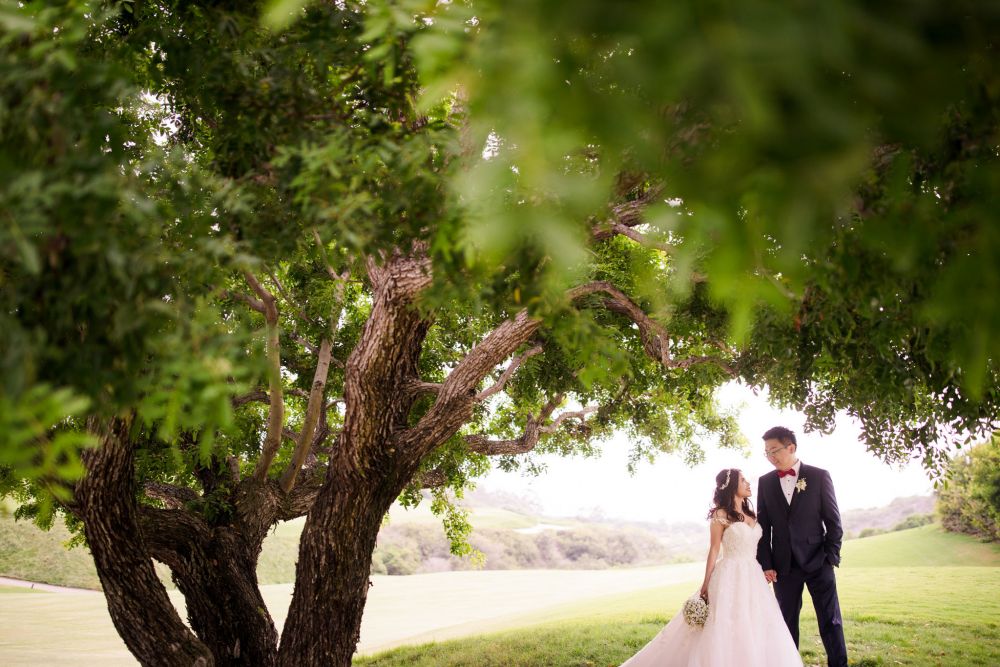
<point x="729" y="471"/>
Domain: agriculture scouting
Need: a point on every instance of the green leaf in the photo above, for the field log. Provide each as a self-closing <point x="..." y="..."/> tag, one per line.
<point x="278" y="15"/>
<point x="16" y="21"/>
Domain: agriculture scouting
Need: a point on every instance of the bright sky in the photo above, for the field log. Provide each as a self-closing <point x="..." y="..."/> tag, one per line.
<point x="669" y="490"/>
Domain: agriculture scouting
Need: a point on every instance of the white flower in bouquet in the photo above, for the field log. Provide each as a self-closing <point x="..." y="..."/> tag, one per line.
<point x="695" y="610"/>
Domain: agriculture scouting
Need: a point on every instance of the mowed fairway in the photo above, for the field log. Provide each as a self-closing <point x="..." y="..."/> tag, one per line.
<point x="920" y="597"/>
<point x="917" y="597"/>
<point x="60" y="629"/>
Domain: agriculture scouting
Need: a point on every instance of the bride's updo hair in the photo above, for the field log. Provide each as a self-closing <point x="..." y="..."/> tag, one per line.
<point x="726" y="484"/>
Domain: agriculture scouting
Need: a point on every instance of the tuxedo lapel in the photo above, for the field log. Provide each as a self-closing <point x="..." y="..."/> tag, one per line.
<point x="795" y="496"/>
<point x="795" y="491"/>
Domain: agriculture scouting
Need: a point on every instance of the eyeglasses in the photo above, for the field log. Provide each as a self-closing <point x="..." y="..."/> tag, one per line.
<point x="771" y="452"/>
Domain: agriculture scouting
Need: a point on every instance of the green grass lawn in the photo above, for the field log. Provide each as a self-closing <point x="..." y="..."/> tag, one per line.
<point x="925" y="546"/>
<point x="920" y="597"/>
<point x="5" y="590"/>
<point x="37" y="555"/>
<point x="917" y="597"/>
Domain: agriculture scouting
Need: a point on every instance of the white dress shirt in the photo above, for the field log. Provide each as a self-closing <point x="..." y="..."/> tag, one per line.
<point x="788" y="482"/>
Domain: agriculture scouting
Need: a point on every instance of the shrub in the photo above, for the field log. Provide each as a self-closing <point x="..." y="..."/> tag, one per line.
<point x="969" y="502"/>
<point x="378" y="564"/>
<point x="424" y="548"/>
<point x="401" y="560"/>
<point x="914" y="521"/>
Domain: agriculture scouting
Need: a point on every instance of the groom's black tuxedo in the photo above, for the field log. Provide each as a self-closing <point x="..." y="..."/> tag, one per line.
<point x="801" y="541"/>
<point x="808" y="531"/>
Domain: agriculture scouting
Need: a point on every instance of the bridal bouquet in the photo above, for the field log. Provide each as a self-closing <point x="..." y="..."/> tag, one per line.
<point x="695" y="610"/>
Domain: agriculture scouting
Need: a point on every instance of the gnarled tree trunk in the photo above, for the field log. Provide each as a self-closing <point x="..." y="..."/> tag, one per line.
<point x="137" y="601"/>
<point x="332" y="577"/>
<point x="216" y="570"/>
<point x="366" y="474"/>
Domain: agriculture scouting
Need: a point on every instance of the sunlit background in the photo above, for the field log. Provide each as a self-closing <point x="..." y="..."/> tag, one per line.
<point x="670" y="490"/>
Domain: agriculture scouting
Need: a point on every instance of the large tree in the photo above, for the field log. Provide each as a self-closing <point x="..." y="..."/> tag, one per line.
<point x="314" y="265"/>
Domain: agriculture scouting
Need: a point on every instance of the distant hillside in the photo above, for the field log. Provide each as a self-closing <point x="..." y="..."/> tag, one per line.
<point x="509" y="530"/>
<point x="888" y="517"/>
<point x="510" y="533"/>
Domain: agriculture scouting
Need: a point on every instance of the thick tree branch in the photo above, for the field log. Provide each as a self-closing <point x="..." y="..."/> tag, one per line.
<point x="419" y="387"/>
<point x="105" y="501"/>
<point x="169" y="532"/>
<point x="575" y="414"/>
<point x="506" y="375"/>
<point x="458" y="392"/>
<point x="255" y="304"/>
<point x="258" y="395"/>
<point x="483" y="445"/>
<point x="655" y="338"/>
<point x="313" y="410"/>
<point x="214" y="568"/>
<point x="627" y="214"/>
<point x="432" y="479"/>
<point x="174" y="497"/>
<point x="276" y="413"/>
<point x="528" y="440"/>
<point x="385" y="359"/>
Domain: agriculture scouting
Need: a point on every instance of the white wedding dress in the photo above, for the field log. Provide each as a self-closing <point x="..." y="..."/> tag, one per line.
<point x="744" y="626"/>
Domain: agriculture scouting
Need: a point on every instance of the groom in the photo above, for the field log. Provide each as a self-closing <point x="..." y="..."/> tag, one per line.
<point x="797" y="509"/>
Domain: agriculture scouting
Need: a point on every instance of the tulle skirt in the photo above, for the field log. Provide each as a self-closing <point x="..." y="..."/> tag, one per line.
<point x="744" y="627"/>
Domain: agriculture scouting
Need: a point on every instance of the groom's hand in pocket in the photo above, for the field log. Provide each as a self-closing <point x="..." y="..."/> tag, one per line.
<point x="770" y="576"/>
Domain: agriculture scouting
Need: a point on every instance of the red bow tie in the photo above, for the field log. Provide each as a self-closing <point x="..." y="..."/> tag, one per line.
<point x="790" y="471"/>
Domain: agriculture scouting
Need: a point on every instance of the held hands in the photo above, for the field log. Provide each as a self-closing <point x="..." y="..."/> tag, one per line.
<point x="770" y="576"/>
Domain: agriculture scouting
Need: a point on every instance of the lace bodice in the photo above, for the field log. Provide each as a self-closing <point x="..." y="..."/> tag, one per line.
<point x="739" y="540"/>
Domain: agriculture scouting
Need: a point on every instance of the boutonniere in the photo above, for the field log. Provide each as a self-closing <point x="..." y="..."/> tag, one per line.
<point x="801" y="484"/>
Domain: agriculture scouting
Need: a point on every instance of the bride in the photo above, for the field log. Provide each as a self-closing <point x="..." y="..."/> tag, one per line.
<point x="744" y="625"/>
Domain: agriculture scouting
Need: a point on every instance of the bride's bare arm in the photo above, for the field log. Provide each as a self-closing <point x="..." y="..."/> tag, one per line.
<point x="716" y="528"/>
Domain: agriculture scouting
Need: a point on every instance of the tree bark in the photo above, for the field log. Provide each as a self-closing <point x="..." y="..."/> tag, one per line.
<point x="216" y="570"/>
<point x="332" y="577"/>
<point x="224" y="604"/>
<point x="140" y="609"/>
<point x="367" y="472"/>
